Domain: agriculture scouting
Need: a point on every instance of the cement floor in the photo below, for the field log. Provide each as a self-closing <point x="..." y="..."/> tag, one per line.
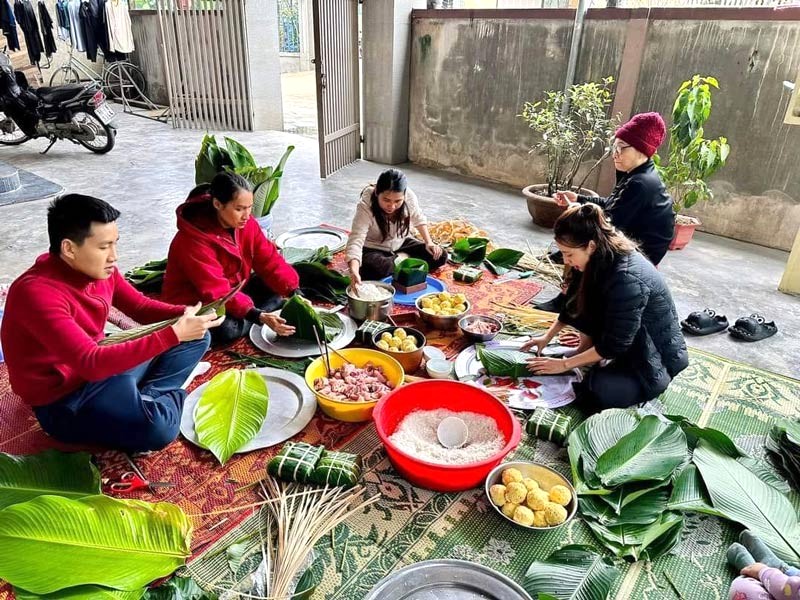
<point x="152" y="169"/>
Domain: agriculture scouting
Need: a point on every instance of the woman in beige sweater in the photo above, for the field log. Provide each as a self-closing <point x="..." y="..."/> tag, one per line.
<point x="381" y="230"/>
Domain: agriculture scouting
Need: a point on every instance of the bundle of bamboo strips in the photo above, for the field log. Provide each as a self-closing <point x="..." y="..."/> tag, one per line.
<point x="519" y="318"/>
<point x="539" y="262"/>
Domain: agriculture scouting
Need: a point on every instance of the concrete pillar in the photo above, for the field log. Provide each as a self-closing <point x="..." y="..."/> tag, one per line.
<point x="625" y="94"/>
<point x="264" y="61"/>
<point x="306" y="12"/>
<point x="790" y="283"/>
<point x="386" y="43"/>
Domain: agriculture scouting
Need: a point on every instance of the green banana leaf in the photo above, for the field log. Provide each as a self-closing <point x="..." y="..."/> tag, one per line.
<point x="314" y="255"/>
<point x="235" y="554"/>
<point x="743" y="498"/>
<point x="51" y="472"/>
<point x="765" y="473"/>
<point x="571" y="573"/>
<point x="689" y="494"/>
<point x="51" y="543"/>
<point x="255" y="175"/>
<point x="635" y="542"/>
<point x="411" y="271"/>
<point x="305" y="586"/>
<point x="179" y="588"/>
<point x="305" y="319"/>
<point x="644" y="510"/>
<point x="239" y="155"/>
<point x="210" y="160"/>
<point x="231" y="411"/>
<point x="81" y="592"/>
<point x="624" y="495"/>
<point x="273" y="190"/>
<point x="470" y="251"/>
<point x="650" y="452"/>
<point x="501" y="260"/>
<point x="504" y="363"/>
<point x="713" y="437"/>
<point x="591" y="439"/>
<point x="783" y="446"/>
<point x="318" y="282"/>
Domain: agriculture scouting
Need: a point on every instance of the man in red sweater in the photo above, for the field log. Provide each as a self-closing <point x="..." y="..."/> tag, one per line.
<point x="126" y="396"/>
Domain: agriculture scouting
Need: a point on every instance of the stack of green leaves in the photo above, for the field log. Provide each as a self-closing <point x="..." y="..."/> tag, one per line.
<point x="622" y="466"/>
<point x="314" y="255"/>
<point x="783" y="444"/>
<point x="571" y="573"/>
<point x="318" y="282"/>
<point x="503" y="363"/>
<point x="231" y="411"/>
<point x="470" y="251"/>
<point x="51" y="506"/>
<point x="149" y="277"/>
<point x="501" y="260"/>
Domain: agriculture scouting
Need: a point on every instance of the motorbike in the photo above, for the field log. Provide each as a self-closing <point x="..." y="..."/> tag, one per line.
<point x="75" y="112"/>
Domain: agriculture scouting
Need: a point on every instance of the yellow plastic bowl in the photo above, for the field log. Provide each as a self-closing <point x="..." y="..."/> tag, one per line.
<point x="353" y="412"/>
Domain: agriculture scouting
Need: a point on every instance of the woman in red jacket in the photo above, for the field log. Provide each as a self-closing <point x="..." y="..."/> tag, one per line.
<point x="219" y="245"/>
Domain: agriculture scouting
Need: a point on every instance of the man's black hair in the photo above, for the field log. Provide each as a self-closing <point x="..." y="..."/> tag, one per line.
<point x="70" y="217"/>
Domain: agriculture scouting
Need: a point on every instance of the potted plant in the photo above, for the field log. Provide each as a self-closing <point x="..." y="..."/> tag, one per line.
<point x="567" y="137"/>
<point x="692" y="157"/>
<point x="234" y="157"/>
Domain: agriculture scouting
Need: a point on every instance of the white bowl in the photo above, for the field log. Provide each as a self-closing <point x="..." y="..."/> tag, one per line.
<point x="439" y="368"/>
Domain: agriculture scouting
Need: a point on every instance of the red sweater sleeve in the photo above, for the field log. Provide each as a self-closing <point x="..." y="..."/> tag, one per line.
<point x="138" y="306"/>
<point x="201" y="266"/>
<point x="271" y="267"/>
<point x="56" y="330"/>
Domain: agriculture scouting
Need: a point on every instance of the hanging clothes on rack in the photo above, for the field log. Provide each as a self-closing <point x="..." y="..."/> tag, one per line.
<point x="26" y="18"/>
<point x="120" y="36"/>
<point x="9" y="25"/>
<point x="95" y="31"/>
<point x="62" y="16"/>
<point x="46" y="23"/>
<point x="75" y="32"/>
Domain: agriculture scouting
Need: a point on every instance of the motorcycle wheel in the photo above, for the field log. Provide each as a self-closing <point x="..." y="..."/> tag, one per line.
<point x="13" y="138"/>
<point x="104" y="134"/>
<point x="63" y="76"/>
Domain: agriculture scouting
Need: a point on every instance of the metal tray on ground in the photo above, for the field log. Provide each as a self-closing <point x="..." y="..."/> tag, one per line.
<point x="447" y="580"/>
<point x="288" y="347"/>
<point x="313" y="237"/>
<point x="291" y="407"/>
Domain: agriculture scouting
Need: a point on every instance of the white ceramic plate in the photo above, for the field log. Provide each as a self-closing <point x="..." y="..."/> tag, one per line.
<point x="526" y="393"/>
<point x="291" y="407"/>
<point x="287" y="347"/>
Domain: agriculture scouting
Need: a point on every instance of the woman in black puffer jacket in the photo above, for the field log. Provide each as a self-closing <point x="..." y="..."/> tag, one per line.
<point x="630" y="334"/>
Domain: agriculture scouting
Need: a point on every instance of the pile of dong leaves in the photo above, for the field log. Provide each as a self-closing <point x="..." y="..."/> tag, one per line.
<point x="636" y="476"/>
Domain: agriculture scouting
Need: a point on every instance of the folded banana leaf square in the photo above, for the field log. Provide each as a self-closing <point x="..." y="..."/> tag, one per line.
<point x="338" y="468"/>
<point x="295" y="462"/>
<point x="549" y="425"/>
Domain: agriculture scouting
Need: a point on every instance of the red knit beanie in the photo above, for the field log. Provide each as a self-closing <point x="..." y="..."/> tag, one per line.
<point x="644" y="131"/>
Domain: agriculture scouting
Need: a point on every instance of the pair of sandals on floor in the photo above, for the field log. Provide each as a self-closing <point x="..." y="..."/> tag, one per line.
<point x="750" y="329"/>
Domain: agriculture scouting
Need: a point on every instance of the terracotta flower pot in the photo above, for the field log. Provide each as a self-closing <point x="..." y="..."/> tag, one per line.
<point x="684" y="232"/>
<point x="543" y="209"/>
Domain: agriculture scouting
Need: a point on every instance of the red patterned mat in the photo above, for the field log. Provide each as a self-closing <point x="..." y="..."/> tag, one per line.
<point x="203" y="487"/>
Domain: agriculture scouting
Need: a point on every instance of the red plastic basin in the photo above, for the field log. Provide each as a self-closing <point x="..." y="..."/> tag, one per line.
<point x="450" y="395"/>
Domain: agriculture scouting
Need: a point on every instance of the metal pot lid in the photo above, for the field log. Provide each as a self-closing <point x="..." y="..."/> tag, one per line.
<point x="313" y="237"/>
<point x="447" y="580"/>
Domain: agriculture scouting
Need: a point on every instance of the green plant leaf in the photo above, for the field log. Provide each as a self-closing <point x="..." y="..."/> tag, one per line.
<point x="235" y="554"/>
<point x="81" y="592"/>
<point x="632" y="541"/>
<point x="590" y="440"/>
<point x="620" y="497"/>
<point x="469" y="251"/>
<point x="210" y="160"/>
<point x="124" y="544"/>
<point x="743" y="498"/>
<point x="411" y="271"/>
<point x="305" y="319"/>
<point x="231" y="411"/>
<point x="239" y="155"/>
<point x="689" y="494"/>
<point x="321" y="283"/>
<point x="504" y="363"/>
<point x="571" y="573"/>
<point x="305" y="586"/>
<point x="180" y="588"/>
<point x="646" y="509"/>
<point x="505" y="258"/>
<point x="713" y="437"/>
<point x="765" y="473"/>
<point x="652" y="451"/>
<point x="295" y="255"/>
<point x="23" y="478"/>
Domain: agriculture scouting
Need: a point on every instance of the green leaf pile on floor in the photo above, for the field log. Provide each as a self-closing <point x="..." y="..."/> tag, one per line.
<point x="571" y="573"/>
<point x="231" y="411"/>
<point x="783" y="445"/>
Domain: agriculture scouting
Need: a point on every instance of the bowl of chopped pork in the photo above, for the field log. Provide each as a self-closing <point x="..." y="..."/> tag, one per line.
<point x="409" y="422"/>
<point x="480" y="328"/>
<point x="358" y="378"/>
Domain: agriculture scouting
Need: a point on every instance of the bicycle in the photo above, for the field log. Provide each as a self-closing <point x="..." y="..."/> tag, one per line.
<point x="120" y="79"/>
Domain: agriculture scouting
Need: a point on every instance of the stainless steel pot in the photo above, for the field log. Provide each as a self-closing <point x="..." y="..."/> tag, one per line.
<point x="374" y="310"/>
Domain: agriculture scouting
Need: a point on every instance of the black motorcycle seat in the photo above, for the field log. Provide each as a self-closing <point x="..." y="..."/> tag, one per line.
<point x="61" y="93"/>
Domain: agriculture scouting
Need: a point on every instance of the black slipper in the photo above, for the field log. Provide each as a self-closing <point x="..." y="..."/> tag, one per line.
<point x="752" y="328"/>
<point x="704" y="323"/>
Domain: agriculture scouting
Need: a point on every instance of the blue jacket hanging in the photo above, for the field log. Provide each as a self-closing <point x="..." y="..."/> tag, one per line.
<point x="9" y="25"/>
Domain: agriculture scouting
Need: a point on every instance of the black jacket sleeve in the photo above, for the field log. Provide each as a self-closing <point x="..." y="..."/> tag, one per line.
<point x="626" y="300"/>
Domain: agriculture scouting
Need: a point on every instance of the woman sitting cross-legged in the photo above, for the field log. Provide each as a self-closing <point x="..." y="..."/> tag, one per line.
<point x="219" y="245"/>
<point x="380" y="234"/>
<point x="631" y="338"/>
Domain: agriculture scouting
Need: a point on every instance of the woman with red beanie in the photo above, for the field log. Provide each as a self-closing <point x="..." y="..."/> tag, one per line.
<point x="639" y="205"/>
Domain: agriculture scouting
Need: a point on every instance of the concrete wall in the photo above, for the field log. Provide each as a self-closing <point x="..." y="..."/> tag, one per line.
<point x="149" y="55"/>
<point x="471" y="74"/>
